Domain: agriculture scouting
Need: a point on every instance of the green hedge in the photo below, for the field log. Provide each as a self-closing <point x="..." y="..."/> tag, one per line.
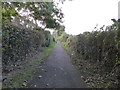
<point x="96" y="47"/>
<point x="100" y="49"/>
<point x="99" y="46"/>
<point x="18" y="43"/>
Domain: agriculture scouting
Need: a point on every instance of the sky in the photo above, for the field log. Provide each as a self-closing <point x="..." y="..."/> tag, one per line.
<point x="84" y="15"/>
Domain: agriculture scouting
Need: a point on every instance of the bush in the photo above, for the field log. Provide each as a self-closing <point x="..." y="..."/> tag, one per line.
<point x="18" y="43"/>
<point x="96" y="46"/>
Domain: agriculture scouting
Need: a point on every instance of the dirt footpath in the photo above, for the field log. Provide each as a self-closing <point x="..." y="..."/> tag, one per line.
<point x="57" y="72"/>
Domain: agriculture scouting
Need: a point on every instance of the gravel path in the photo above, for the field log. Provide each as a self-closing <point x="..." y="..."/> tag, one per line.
<point x="57" y="72"/>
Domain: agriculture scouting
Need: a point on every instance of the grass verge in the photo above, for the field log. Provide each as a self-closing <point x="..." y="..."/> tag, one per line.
<point x="19" y="78"/>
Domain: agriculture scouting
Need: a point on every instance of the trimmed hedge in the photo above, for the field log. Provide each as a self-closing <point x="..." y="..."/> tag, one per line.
<point x="18" y="43"/>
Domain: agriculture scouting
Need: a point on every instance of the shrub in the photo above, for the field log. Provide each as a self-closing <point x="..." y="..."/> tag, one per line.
<point x="18" y="43"/>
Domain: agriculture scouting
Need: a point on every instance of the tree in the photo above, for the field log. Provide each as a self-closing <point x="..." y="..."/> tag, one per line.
<point x="46" y="12"/>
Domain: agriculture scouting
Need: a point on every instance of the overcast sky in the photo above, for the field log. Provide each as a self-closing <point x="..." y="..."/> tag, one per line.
<point x="83" y="15"/>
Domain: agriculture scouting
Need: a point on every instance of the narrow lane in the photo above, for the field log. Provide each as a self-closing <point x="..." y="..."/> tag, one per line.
<point x="57" y="72"/>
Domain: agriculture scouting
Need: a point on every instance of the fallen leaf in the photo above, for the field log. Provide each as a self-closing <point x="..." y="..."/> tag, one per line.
<point x="47" y="84"/>
<point x="40" y="76"/>
<point x="34" y="85"/>
<point x="24" y="84"/>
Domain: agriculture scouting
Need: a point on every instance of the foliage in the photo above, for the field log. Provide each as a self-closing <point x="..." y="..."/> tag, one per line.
<point x="21" y="36"/>
<point x="40" y="11"/>
<point x="61" y="30"/>
<point x="18" y="43"/>
<point x="6" y="12"/>
<point x="98" y="47"/>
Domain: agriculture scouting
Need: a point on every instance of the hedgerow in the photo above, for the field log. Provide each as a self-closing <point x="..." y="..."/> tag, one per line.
<point x="100" y="48"/>
<point x="18" y="43"/>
